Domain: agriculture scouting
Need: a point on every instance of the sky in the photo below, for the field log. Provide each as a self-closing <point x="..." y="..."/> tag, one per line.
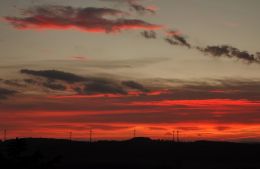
<point x="115" y="66"/>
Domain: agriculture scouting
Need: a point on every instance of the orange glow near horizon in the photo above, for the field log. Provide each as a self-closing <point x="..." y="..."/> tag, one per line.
<point x="117" y="117"/>
<point x="188" y="131"/>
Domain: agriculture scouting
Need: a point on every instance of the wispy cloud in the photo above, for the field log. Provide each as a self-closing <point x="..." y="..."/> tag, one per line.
<point x="230" y="52"/>
<point x="176" y="38"/>
<point x="140" y="8"/>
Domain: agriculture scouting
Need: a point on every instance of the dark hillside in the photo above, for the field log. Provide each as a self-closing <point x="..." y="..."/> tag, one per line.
<point x="137" y="153"/>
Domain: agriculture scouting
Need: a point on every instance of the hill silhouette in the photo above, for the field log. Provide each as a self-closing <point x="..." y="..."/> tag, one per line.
<point x="137" y="153"/>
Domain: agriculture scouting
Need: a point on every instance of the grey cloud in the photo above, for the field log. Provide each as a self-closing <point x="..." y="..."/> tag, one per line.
<point x="96" y="87"/>
<point x="120" y="110"/>
<point x="178" y="41"/>
<point x="149" y="34"/>
<point x="141" y="9"/>
<point x="54" y="86"/>
<point x="210" y="89"/>
<point x="15" y="83"/>
<point x="91" y="85"/>
<point x="5" y="93"/>
<point x="230" y="52"/>
<point x="135" y="85"/>
<point x="84" y="85"/>
<point x="171" y="41"/>
<point x="175" y="38"/>
<point x="135" y="5"/>
<point x="54" y="75"/>
<point x="216" y="89"/>
<point x="258" y="55"/>
<point x="30" y="81"/>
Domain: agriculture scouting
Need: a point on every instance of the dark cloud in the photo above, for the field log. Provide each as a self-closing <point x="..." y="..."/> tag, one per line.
<point x="149" y="34"/>
<point x="141" y="9"/>
<point x="5" y="93"/>
<point x="88" y="19"/>
<point x="97" y="87"/>
<point x="234" y="101"/>
<point x="54" y="86"/>
<point x="15" y="83"/>
<point x="88" y="85"/>
<point x="50" y="84"/>
<point x="215" y="89"/>
<point x="54" y="75"/>
<point x="135" y="85"/>
<point x="175" y="38"/>
<point x="182" y="90"/>
<point x="221" y="89"/>
<point x="171" y="41"/>
<point x="30" y="81"/>
<point x="84" y="85"/>
<point x="230" y="52"/>
<point x="258" y="55"/>
<point x="136" y="6"/>
<point x="210" y="89"/>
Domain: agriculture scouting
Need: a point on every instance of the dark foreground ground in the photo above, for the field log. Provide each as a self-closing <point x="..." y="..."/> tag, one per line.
<point x="138" y="153"/>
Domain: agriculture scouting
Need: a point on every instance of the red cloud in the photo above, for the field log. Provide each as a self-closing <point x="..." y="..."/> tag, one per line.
<point x="199" y="103"/>
<point x="84" y="19"/>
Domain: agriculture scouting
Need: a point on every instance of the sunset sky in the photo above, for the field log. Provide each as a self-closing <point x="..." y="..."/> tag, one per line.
<point x="115" y="66"/>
